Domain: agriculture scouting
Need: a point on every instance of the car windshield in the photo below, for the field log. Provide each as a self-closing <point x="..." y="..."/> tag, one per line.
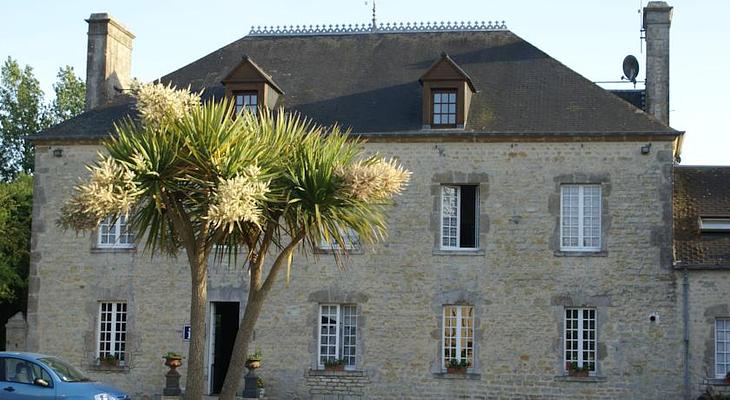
<point x="65" y="372"/>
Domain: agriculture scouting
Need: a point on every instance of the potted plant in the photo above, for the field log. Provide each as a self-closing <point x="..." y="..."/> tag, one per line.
<point x="260" y="387"/>
<point x="109" y="360"/>
<point x="578" y="372"/>
<point x="253" y="361"/>
<point x="457" y="367"/>
<point x="172" y="359"/>
<point x="334" y="364"/>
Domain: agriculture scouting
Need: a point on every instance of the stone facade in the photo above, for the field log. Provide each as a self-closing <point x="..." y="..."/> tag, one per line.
<point x="518" y="282"/>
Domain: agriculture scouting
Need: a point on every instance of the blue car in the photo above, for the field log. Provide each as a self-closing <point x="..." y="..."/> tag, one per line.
<point x="26" y="376"/>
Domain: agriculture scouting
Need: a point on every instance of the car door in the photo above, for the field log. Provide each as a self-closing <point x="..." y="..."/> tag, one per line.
<point x="17" y="377"/>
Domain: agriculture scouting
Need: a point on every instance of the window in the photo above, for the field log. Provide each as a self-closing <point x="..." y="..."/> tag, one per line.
<point x="351" y="242"/>
<point x="115" y="233"/>
<point x="338" y="334"/>
<point x="708" y="224"/>
<point x="580" y="337"/>
<point x="580" y="217"/>
<point x="22" y="371"/>
<point x="459" y="205"/>
<point x="247" y="100"/>
<point x="458" y="335"/>
<point x="722" y="347"/>
<point x="444" y="108"/>
<point x="112" y="331"/>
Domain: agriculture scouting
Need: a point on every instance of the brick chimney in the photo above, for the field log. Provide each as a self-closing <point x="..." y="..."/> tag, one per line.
<point x="657" y="19"/>
<point x="108" y="59"/>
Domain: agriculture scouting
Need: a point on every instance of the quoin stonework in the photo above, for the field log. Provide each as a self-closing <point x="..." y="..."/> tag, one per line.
<point x="534" y="246"/>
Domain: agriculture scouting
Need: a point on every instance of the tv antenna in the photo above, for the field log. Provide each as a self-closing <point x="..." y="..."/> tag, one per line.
<point x="374" y="26"/>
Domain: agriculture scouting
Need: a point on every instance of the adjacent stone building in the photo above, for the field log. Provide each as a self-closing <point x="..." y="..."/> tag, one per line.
<point x="534" y="242"/>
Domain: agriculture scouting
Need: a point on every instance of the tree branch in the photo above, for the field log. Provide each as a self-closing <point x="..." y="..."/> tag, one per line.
<point x="284" y="255"/>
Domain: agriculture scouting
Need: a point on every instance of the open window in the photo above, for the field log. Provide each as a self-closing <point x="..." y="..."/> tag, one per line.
<point x="447" y="92"/>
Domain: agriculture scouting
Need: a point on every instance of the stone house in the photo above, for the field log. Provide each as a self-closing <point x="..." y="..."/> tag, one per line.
<point x="534" y="238"/>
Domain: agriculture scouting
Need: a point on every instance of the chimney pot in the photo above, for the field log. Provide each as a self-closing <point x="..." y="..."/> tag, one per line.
<point x="108" y="59"/>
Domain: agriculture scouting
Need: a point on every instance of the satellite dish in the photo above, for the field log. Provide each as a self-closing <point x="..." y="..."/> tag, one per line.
<point x="631" y="68"/>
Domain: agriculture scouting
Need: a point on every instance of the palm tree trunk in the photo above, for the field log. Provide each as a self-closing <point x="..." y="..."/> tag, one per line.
<point x="236" y="367"/>
<point x="194" y="380"/>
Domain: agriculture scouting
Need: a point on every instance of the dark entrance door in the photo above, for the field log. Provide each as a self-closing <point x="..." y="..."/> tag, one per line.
<point x="226" y="326"/>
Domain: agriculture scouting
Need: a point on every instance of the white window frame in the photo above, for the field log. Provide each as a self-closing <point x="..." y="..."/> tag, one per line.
<point x="581" y="218"/>
<point x="725" y="363"/>
<point x="458" y="247"/>
<point x="581" y="321"/>
<point x="117" y="310"/>
<point x="460" y="318"/>
<point x="116" y="230"/>
<point x="351" y="361"/>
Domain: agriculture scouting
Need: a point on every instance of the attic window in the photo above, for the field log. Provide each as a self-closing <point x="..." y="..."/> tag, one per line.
<point x="447" y="92"/>
<point x="250" y="87"/>
<point x="247" y="100"/>
<point x="715" y="224"/>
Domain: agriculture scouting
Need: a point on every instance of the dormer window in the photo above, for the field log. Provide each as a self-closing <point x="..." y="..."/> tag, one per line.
<point x="247" y="100"/>
<point x="447" y="92"/>
<point x="250" y="87"/>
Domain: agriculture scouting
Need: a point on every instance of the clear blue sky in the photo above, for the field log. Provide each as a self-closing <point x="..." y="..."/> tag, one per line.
<point x="590" y="36"/>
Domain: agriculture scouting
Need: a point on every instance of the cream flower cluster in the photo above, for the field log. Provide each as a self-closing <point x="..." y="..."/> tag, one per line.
<point x="377" y="180"/>
<point x="110" y="190"/>
<point x="237" y="199"/>
<point x="158" y="105"/>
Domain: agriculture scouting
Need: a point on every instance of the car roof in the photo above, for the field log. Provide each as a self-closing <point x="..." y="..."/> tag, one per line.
<point x="25" y="355"/>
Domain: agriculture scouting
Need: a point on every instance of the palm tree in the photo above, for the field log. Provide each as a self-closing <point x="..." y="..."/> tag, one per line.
<point x="191" y="176"/>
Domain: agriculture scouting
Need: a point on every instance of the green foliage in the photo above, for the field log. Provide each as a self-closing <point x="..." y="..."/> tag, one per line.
<point x="334" y="362"/>
<point x="70" y="95"/>
<point x="172" y="354"/>
<point x="463" y="363"/>
<point x="255" y="356"/>
<point x="23" y="112"/>
<point x="16" y="204"/>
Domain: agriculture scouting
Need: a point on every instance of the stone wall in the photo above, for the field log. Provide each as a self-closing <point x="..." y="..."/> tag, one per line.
<point x="16" y="330"/>
<point x="517" y="282"/>
<point x="709" y="299"/>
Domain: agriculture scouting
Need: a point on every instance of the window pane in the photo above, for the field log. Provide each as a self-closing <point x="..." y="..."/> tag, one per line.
<point x="450" y="215"/>
<point x="349" y="335"/>
<point x="722" y="347"/>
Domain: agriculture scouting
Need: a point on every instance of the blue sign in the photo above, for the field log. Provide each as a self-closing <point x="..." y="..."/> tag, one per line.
<point x="186" y="332"/>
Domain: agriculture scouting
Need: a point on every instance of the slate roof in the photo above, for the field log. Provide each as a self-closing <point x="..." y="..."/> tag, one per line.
<point x="369" y="82"/>
<point x="698" y="192"/>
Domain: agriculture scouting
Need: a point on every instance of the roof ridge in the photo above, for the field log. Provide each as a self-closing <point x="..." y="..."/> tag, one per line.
<point x="408" y="27"/>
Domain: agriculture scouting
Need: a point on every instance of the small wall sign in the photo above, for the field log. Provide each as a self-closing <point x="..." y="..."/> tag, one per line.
<point x="186" y="332"/>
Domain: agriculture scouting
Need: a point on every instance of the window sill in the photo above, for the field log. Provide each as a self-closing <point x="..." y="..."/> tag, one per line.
<point x="101" y="250"/>
<point x="458" y="252"/>
<point x="716" y="382"/>
<point x="582" y="379"/>
<point x="579" y="253"/>
<point x="323" y="372"/>
<point x="109" y="368"/>
<point x="468" y="375"/>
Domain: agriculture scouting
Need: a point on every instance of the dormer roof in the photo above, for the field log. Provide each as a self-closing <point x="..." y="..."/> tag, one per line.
<point x="247" y="71"/>
<point x="446" y="69"/>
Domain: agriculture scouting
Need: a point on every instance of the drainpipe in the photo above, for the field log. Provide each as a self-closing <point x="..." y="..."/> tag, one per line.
<point x="685" y="317"/>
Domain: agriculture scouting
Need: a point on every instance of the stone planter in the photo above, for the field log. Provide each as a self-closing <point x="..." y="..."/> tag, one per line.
<point x="173" y="362"/>
<point x="253" y="364"/>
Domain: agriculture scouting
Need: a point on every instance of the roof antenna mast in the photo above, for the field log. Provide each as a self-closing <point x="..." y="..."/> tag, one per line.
<point x="373" y="26"/>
